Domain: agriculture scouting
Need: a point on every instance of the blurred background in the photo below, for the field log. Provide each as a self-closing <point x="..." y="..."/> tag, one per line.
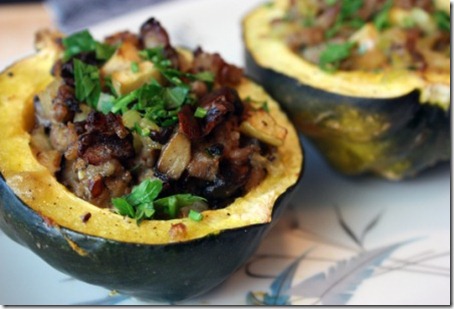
<point x="20" y="19"/>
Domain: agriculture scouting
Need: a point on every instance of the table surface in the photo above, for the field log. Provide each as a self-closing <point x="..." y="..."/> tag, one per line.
<point x="21" y="22"/>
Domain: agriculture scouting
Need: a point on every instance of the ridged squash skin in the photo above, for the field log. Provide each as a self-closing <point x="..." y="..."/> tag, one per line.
<point x="394" y="124"/>
<point x="167" y="273"/>
<point x="144" y="261"/>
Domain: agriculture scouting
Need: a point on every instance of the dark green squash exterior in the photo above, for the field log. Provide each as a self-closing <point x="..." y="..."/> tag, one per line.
<point x="150" y="261"/>
<point x="112" y="251"/>
<point x="393" y="137"/>
<point x="167" y="273"/>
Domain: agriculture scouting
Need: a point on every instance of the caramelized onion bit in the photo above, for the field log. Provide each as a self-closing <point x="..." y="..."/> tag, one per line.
<point x="105" y="138"/>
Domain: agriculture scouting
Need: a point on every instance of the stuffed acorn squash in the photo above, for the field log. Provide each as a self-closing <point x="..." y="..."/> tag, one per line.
<point x="139" y="167"/>
<point x="367" y="81"/>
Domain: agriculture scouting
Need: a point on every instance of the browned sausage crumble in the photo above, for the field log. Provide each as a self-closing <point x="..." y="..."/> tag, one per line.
<point x="134" y="108"/>
<point x="367" y="35"/>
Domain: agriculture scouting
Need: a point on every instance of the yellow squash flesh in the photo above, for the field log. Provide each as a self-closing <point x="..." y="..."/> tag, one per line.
<point x="40" y="190"/>
<point x="273" y="53"/>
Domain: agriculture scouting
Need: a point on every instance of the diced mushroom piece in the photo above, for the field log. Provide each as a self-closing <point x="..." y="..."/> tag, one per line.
<point x="43" y="103"/>
<point x="203" y="166"/>
<point x="175" y="156"/>
<point x="39" y="140"/>
<point x="366" y="37"/>
<point x="261" y="125"/>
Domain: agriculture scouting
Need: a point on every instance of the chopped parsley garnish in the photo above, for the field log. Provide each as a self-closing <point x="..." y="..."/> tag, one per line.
<point x="156" y="102"/>
<point x="332" y="56"/>
<point x="170" y="205"/>
<point x="88" y="85"/>
<point x="175" y="96"/>
<point x="134" y="67"/>
<point x="330" y="2"/>
<point x="104" y="51"/>
<point x="164" y="65"/>
<point x="347" y="16"/>
<point x="141" y="203"/>
<point x="195" y="215"/>
<point x="202" y="76"/>
<point x="110" y="86"/>
<point x="83" y="42"/>
<point x="159" y="103"/>
<point x="200" y="112"/>
<point x="265" y="107"/>
<point x="381" y="20"/>
<point x="350" y="7"/>
<point x="77" y="43"/>
<point x="141" y="131"/>
<point x="443" y="20"/>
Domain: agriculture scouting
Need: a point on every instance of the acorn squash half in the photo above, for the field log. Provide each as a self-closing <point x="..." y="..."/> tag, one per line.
<point x="393" y="123"/>
<point x="113" y="251"/>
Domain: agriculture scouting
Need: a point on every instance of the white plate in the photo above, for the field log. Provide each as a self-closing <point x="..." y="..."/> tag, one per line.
<point x="414" y="214"/>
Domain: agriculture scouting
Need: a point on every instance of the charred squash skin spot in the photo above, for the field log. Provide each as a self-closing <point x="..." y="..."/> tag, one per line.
<point x="85" y="217"/>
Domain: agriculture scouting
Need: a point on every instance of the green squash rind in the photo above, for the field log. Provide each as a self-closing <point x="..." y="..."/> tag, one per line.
<point x="401" y="139"/>
<point x="167" y="273"/>
<point x="161" y="271"/>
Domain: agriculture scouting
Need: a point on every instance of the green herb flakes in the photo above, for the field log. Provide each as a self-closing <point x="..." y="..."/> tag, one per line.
<point x="123" y="207"/>
<point x="331" y="57"/>
<point x="104" y="51"/>
<point x="265" y="107"/>
<point x="443" y="20"/>
<point x="205" y="76"/>
<point x="195" y="215"/>
<point x="79" y="42"/>
<point x="175" y="96"/>
<point x="200" y="112"/>
<point x="88" y="85"/>
<point x="171" y="205"/>
<point x="83" y="42"/>
<point x="141" y="203"/>
<point x="381" y="20"/>
<point x="134" y="67"/>
<point x="346" y="17"/>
